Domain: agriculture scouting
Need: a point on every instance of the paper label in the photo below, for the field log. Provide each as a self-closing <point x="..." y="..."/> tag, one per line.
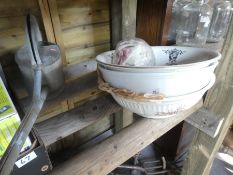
<point x="6" y="107"/>
<point x="26" y="159"/>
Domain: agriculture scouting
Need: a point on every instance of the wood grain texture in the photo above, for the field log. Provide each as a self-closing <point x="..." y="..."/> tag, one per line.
<point x="82" y="12"/>
<point x="123" y="20"/>
<point x="80" y="87"/>
<point x="11" y="39"/>
<point x="206" y="121"/>
<point x="185" y="140"/>
<point x="115" y="22"/>
<point x="129" y="11"/>
<point x="123" y="119"/>
<point x="86" y="36"/>
<point x="188" y="131"/>
<point x="74" y="94"/>
<point x="106" y="156"/>
<point x="219" y="100"/>
<point x="70" y="122"/>
<point x="47" y="21"/>
<point x="153" y="20"/>
<point x="57" y="28"/>
<point x="123" y="26"/>
<point x="77" y="55"/>
<point x="75" y="71"/>
<point x="85" y="28"/>
<point x="16" y="8"/>
<point x="166" y="22"/>
<point x="71" y="72"/>
<point x="79" y="139"/>
<point x="12" y="27"/>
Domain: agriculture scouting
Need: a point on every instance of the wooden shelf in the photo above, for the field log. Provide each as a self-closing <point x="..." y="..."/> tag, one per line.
<point x="106" y="156"/>
<point x="65" y="124"/>
<point x="68" y="123"/>
<point x="75" y="93"/>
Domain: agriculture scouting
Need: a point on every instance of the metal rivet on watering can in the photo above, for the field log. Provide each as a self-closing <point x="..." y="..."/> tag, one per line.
<point x="44" y="168"/>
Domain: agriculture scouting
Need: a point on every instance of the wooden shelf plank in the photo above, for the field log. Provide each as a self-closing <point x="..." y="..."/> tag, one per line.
<point x="106" y="156"/>
<point x="207" y="121"/>
<point x="75" y="71"/>
<point x="81" y="86"/>
<point x="74" y="94"/>
<point x="72" y="121"/>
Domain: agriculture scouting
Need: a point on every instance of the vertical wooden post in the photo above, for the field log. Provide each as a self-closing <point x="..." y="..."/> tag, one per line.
<point x="115" y="22"/>
<point x="153" y="20"/>
<point x="129" y="10"/>
<point x="122" y="119"/>
<point x="44" y="8"/>
<point x="52" y="24"/>
<point x="123" y="25"/>
<point x="166" y="22"/>
<point x="220" y="101"/>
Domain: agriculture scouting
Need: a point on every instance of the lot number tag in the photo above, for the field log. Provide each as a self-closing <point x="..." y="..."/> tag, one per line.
<point x="26" y="159"/>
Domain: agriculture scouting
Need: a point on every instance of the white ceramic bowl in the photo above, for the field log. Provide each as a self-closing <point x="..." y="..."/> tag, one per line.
<point x="173" y="83"/>
<point x="168" y="58"/>
<point x="163" y="108"/>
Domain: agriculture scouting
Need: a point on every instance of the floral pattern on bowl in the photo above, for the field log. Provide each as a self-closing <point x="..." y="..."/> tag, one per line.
<point x="173" y="55"/>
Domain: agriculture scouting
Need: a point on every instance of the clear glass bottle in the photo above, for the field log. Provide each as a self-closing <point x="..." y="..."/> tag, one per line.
<point x="194" y="24"/>
<point x="220" y="20"/>
<point x="175" y="19"/>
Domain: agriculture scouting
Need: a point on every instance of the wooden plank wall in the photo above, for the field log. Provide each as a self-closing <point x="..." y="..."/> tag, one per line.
<point x="79" y="27"/>
<point x="12" y="15"/>
<point x="85" y="28"/>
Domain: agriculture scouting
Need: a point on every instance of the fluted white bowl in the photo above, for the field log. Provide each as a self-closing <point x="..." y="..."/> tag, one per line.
<point x="163" y="108"/>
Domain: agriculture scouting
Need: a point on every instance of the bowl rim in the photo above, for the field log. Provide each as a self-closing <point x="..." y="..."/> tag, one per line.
<point x="214" y="64"/>
<point x="188" y="65"/>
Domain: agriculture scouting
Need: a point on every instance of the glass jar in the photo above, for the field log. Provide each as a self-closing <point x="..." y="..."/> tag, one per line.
<point x="175" y="19"/>
<point x="194" y="24"/>
<point x="220" y="20"/>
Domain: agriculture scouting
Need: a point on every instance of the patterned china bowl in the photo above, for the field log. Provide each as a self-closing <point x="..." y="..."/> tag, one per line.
<point x="167" y="58"/>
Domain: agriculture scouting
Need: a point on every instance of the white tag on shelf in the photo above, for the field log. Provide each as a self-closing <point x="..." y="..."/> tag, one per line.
<point x="26" y="159"/>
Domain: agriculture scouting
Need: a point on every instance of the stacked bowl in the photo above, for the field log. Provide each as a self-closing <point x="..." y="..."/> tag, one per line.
<point x="182" y="75"/>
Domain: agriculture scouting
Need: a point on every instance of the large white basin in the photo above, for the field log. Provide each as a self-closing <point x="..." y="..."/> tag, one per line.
<point x="182" y="75"/>
<point x="170" y="84"/>
<point x="168" y="58"/>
